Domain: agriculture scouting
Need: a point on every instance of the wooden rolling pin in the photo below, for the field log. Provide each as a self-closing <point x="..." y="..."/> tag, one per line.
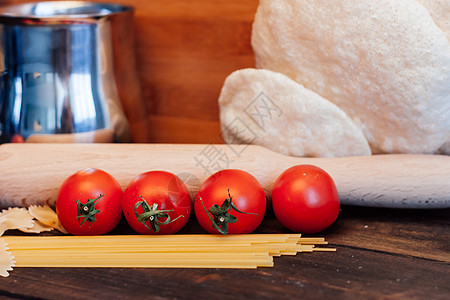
<point x="32" y="173"/>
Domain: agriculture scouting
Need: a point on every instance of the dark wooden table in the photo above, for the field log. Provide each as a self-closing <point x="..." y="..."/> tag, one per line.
<point x="381" y="253"/>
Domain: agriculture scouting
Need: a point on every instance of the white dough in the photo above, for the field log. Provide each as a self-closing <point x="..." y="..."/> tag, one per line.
<point x="385" y="63"/>
<point x="269" y="109"/>
<point x="440" y="13"/>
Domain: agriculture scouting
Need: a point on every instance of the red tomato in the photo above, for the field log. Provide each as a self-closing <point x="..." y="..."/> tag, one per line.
<point x="230" y="201"/>
<point x="156" y="202"/>
<point x="305" y="199"/>
<point x="17" y="138"/>
<point x="89" y="203"/>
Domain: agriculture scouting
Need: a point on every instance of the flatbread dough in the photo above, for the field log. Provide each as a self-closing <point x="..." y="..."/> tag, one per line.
<point x="269" y="109"/>
<point x="385" y="63"/>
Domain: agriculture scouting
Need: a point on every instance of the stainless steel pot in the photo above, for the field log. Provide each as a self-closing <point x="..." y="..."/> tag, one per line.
<point x="57" y="81"/>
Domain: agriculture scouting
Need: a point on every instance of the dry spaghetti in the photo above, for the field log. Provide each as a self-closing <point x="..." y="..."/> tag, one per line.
<point x="146" y="251"/>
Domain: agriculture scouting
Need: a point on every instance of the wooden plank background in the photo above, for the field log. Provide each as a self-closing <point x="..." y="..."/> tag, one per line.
<point x="184" y="52"/>
<point x="381" y="254"/>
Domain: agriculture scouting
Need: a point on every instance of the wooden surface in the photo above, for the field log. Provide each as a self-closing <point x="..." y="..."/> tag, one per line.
<point x="28" y="174"/>
<point x="381" y="254"/>
<point x="184" y="52"/>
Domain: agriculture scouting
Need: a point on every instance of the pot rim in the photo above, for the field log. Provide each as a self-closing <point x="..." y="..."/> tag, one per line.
<point x="60" y="12"/>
